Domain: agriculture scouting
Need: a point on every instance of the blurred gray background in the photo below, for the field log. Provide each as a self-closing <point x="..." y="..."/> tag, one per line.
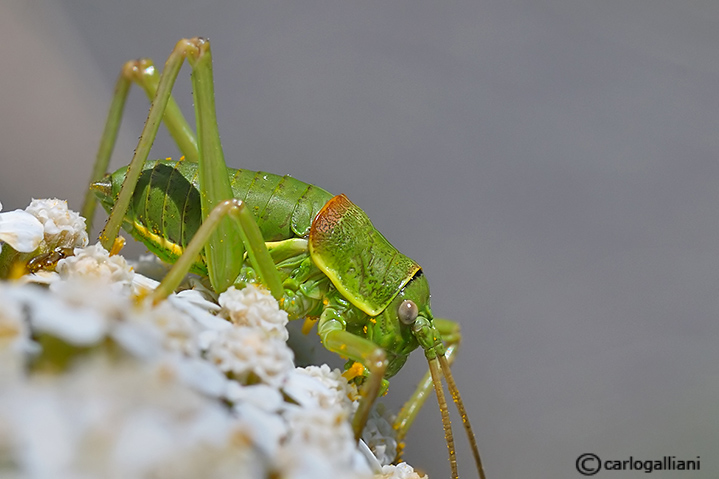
<point x="552" y="164"/>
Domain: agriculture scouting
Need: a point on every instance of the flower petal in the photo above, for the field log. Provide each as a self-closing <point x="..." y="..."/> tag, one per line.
<point x="21" y="230"/>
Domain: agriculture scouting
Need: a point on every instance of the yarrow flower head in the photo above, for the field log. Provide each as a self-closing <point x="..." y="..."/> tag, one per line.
<point x="94" y="263"/>
<point x="255" y="308"/>
<point x="247" y="354"/>
<point x="63" y="228"/>
<point x="96" y="381"/>
<point x="44" y="228"/>
<point x="313" y="432"/>
<point x="323" y="387"/>
<point x="380" y="436"/>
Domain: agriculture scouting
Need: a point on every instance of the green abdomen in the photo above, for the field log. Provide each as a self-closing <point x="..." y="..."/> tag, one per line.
<point x="165" y="209"/>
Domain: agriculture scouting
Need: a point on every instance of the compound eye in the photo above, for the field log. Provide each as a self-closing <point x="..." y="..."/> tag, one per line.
<point x="408" y="312"/>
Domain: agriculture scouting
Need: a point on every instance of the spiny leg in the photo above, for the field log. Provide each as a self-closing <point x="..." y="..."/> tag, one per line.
<point x="149" y="132"/>
<point x="107" y="144"/>
<point x="224" y="257"/>
<point x="145" y="75"/>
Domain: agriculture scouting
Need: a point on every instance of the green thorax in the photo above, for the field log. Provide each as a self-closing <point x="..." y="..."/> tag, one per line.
<point x="364" y="267"/>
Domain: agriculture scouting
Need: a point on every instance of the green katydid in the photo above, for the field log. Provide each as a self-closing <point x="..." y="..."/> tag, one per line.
<point x="318" y="254"/>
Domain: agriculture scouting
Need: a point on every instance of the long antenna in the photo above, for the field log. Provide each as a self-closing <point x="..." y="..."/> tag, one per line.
<point x="434" y="369"/>
<point x="447" y="371"/>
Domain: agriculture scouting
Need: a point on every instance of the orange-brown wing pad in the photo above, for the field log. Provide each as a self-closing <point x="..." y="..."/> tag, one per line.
<point x="360" y="262"/>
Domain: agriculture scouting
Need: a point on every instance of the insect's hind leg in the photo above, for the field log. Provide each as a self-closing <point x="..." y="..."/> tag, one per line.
<point x="143" y="73"/>
<point x="251" y="237"/>
<point x="224" y="258"/>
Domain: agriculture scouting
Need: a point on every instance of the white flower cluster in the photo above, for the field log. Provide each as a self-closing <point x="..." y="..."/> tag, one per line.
<point x="94" y="264"/>
<point x="62" y="227"/>
<point x="249" y="355"/>
<point x="336" y="391"/>
<point x="97" y="382"/>
<point x="45" y="224"/>
<point x="380" y="436"/>
<point x="256" y="309"/>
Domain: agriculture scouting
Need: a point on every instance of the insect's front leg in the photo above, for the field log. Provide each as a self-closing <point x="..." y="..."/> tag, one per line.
<point x="335" y="337"/>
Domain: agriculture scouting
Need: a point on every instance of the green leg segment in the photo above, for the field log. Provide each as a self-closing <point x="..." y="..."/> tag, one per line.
<point x="224" y="257"/>
<point x="251" y="237"/>
<point x="149" y="132"/>
<point x="336" y="339"/>
<point x="107" y="143"/>
<point x="143" y="73"/>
